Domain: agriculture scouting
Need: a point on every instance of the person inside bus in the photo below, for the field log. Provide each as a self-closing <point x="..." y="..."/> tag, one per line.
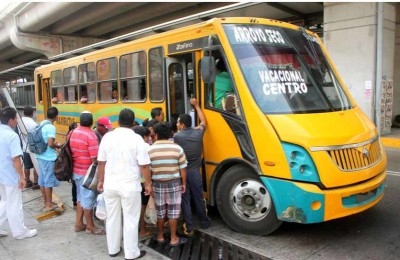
<point x="223" y="83"/>
<point x="84" y="97"/>
<point x="114" y="95"/>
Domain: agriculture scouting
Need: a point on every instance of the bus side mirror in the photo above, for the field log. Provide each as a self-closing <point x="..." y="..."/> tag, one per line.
<point x="208" y="69"/>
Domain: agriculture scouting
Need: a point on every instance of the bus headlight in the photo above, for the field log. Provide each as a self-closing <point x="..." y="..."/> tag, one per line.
<point x="302" y="167"/>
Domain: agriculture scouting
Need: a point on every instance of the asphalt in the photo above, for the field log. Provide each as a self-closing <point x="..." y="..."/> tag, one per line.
<point x="56" y="238"/>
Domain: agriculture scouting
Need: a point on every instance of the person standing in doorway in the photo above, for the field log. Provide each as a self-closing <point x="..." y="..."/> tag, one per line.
<point x="168" y="173"/>
<point x="29" y="124"/>
<point x="47" y="180"/>
<point x="191" y="140"/>
<point x="12" y="178"/>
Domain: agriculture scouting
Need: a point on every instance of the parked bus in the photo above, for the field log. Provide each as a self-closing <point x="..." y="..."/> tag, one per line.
<point x="287" y="143"/>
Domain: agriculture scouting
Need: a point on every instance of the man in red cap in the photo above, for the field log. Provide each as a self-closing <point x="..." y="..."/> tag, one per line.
<point x="103" y="126"/>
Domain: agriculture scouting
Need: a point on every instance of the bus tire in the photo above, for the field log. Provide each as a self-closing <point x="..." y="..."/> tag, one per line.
<point x="245" y="204"/>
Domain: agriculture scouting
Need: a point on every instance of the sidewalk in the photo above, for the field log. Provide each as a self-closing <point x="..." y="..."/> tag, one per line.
<point x="56" y="238"/>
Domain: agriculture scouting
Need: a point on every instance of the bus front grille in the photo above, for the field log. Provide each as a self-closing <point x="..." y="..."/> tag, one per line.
<point x="357" y="157"/>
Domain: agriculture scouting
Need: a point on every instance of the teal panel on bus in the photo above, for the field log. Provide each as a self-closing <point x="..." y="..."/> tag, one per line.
<point x="293" y="204"/>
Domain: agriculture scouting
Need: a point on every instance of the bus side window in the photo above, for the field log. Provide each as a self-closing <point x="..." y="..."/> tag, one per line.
<point x="156" y="71"/>
<point x="133" y="76"/>
<point x="87" y="87"/>
<point x="107" y="79"/>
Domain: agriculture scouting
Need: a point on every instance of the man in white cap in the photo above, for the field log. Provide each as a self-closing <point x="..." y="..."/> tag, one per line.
<point x="103" y="127"/>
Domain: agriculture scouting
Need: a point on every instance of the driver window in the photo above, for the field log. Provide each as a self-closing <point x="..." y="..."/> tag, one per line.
<point x="221" y="94"/>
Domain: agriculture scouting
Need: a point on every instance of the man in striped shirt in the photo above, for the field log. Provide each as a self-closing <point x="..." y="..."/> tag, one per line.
<point x="168" y="173"/>
<point x="84" y="148"/>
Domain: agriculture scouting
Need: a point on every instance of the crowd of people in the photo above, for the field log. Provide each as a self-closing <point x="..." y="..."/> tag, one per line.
<point x="157" y="159"/>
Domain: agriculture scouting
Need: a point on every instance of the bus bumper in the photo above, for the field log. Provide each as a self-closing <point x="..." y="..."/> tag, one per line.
<point x="307" y="203"/>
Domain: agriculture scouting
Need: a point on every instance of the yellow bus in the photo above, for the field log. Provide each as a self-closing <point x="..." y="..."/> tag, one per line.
<point x="286" y="143"/>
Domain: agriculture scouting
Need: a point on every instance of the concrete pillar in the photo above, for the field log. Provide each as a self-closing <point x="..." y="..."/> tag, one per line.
<point x="49" y="45"/>
<point x="360" y="39"/>
<point x="396" y="89"/>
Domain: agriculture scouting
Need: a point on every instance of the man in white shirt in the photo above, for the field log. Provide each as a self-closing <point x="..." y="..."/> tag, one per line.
<point x="122" y="160"/>
<point x="29" y="124"/>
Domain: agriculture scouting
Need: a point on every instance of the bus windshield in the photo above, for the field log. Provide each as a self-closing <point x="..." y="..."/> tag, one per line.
<point x="286" y="70"/>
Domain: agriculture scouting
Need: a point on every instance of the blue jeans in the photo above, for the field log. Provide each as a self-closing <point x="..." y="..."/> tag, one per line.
<point x="194" y="190"/>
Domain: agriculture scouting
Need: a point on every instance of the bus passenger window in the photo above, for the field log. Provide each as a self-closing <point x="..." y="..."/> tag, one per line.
<point x="221" y="94"/>
<point x="86" y="83"/>
<point x="107" y="79"/>
<point x="133" y="75"/>
<point x="156" y="70"/>
<point x="70" y="93"/>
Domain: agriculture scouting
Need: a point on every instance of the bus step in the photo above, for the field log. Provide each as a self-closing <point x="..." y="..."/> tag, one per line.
<point x="202" y="246"/>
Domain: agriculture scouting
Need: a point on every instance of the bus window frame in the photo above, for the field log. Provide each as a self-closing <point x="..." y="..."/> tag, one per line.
<point x="140" y="78"/>
<point x="85" y="83"/>
<point x="56" y="89"/>
<point x="155" y="70"/>
<point x="111" y="80"/>
<point x="71" y="84"/>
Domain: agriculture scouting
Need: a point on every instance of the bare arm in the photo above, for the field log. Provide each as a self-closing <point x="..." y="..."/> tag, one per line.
<point x="183" y="176"/>
<point x="100" y="171"/>
<point x="18" y="166"/>
<point x="199" y="111"/>
<point x="53" y="144"/>
<point x="146" y="173"/>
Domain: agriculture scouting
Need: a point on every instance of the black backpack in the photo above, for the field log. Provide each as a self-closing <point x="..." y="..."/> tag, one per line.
<point x="63" y="164"/>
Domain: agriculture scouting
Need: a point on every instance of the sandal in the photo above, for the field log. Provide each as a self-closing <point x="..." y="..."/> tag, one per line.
<point x="95" y="231"/>
<point x="80" y="228"/>
<point x="181" y="240"/>
<point x="55" y="208"/>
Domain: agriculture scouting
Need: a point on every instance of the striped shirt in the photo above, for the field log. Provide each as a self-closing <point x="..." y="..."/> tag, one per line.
<point x="84" y="147"/>
<point x="167" y="158"/>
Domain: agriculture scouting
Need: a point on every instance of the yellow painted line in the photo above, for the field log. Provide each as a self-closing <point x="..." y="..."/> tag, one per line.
<point x="50" y="214"/>
<point x="390" y="142"/>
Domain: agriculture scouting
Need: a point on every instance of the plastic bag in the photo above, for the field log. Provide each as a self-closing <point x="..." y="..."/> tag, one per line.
<point x="150" y="216"/>
<point x="101" y="212"/>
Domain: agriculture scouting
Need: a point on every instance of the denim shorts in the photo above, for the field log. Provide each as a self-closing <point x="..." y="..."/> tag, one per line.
<point x="47" y="179"/>
<point x="86" y="197"/>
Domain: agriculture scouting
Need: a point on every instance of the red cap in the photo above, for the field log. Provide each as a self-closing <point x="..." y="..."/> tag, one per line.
<point x="103" y="120"/>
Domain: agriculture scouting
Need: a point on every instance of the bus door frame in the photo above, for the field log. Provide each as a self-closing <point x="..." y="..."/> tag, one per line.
<point x="182" y="62"/>
<point x="45" y="95"/>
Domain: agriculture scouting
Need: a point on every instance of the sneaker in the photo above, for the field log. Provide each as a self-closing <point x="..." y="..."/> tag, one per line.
<point x="3" y="233"/>
<point x="35" y="186"/>
<point x="27" y="234"/>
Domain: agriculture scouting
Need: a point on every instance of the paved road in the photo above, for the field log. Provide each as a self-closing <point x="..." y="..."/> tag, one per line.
<point x="373" y="234"/>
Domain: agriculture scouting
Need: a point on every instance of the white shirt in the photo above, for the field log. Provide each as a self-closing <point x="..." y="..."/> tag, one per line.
<point x="30" y="124"/>
<point x="123" y="151"/>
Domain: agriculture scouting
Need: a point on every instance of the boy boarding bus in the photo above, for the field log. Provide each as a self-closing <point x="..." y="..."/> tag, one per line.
<point x="287" y="142"/>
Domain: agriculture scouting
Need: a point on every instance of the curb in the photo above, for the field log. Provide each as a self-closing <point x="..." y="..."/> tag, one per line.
<point x="390" y="142"/>
<point x="50" y="214"/>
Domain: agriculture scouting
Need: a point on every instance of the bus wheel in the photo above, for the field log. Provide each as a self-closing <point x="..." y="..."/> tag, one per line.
<point x="245" y="204"/>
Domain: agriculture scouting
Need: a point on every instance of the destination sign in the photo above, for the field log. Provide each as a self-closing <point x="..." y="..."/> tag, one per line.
<point x="255" y="34"/>
<point x="188" y="45"/>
